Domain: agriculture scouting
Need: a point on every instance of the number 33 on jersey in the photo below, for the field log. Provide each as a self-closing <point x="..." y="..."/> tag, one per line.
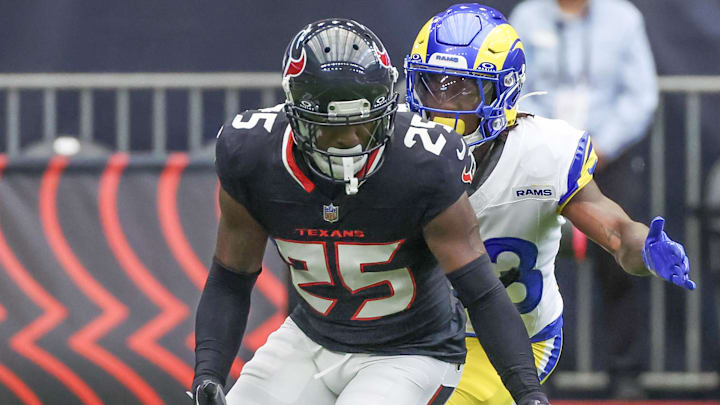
<point x="543" y="164"/>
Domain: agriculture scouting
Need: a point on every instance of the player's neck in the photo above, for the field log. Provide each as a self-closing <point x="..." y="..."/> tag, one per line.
<point x="487" y="157"/>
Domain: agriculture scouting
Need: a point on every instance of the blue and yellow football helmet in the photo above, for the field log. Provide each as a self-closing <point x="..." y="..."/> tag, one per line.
<point x="467" y="60"/>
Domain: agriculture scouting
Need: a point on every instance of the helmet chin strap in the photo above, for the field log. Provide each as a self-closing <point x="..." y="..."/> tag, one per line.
<point x="351" y="182"/>
<point x="476" y="136"/>
<point x="459" y="125"/>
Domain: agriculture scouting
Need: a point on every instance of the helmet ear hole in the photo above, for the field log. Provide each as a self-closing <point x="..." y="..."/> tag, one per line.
<point x="509" y="80"/>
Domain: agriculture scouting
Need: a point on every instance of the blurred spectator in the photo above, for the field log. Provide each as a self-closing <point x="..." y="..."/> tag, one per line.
<point x="594" y="60"/>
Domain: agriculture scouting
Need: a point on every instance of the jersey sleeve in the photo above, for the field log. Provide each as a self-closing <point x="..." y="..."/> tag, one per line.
<point x="233" y="162"/>
<point x="450" y="177"/>
<point x="582" y="168"/>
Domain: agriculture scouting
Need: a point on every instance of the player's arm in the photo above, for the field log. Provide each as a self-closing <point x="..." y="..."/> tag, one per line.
<point x="639" y="250"/>
<point x="225" y="303"/>
<point x="606" y="223"/>
<point x="453" y="237"/>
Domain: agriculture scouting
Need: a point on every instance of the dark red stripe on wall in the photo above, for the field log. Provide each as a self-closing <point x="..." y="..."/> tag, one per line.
<point x="276" y="293"/>
<point x="18" y="387"/>
<point x="175" y="235"/>
<point x="170" y="220"/>
<point x="79" y="297"/>
<point x="54" y="313"/>
<point x="113" y="311"/>
<point x="7" y="377"/>
<point x="174" y="311"/>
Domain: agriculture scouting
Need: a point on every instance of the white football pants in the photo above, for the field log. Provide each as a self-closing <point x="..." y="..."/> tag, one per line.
<point x="291" y="369"/>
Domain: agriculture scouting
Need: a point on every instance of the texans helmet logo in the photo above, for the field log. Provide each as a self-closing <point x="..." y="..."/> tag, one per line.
<point x="383" y="56"/>
<point x="295" y="59"/>
<point x="467" y="173"/>
<point x="295" y="67"/>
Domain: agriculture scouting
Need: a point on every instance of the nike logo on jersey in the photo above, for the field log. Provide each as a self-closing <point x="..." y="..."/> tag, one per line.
<point x="541" y="192"/>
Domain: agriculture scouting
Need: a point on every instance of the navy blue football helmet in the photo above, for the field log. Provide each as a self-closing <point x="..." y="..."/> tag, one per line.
<point x="337" y="73"/>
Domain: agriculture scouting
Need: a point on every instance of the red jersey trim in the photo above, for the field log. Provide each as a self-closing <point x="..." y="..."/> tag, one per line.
<point x="288" y="159"/>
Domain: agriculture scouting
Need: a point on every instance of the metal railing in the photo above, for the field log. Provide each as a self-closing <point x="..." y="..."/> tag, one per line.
<point x="233" y="84"/>
<point x="692" y="377"/>
<point x="122" y="85"/>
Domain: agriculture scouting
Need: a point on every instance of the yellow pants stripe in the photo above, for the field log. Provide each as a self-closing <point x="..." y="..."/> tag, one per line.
<point x="480" y="383"/>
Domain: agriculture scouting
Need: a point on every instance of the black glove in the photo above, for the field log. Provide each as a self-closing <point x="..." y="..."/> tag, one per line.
<point x="536" y="398"/>
<point x="209" y="392"/>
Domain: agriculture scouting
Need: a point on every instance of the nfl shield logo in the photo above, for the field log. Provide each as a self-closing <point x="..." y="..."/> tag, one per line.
<point x="330" y="212"/>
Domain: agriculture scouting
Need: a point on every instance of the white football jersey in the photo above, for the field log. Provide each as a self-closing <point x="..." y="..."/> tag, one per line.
<point x="543" y="164"/>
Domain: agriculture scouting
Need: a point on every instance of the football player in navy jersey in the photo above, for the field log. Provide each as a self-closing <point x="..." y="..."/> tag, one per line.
<point x="367" y="206"/>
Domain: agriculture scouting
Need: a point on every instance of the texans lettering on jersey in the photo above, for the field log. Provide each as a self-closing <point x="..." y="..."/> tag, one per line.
<point x="543" y="164"/>
<point x="367" y="279"/>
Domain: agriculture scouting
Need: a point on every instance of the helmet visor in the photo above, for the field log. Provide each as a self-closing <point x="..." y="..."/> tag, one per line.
<point x="455" y="93"/>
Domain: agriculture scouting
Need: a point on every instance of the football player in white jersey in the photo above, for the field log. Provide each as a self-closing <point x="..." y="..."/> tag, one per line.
<point x="465" y="70"/>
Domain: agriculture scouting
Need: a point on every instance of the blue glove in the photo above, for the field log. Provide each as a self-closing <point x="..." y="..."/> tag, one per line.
<point x="666" y="258"/>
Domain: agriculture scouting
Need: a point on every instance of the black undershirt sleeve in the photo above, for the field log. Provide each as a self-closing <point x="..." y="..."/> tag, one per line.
<point x="220" y="322"/>
<point x="498" y="326"/>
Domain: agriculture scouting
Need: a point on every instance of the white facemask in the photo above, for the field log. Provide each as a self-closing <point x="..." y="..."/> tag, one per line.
<point x="343" y="168"/>
<point x="354" y="163"/>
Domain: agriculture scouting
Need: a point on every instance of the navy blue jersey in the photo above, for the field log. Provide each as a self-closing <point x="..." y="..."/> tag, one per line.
<point x="367" y="279"/>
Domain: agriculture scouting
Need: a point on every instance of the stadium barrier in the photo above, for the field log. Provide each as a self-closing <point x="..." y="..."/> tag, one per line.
<point x="24" y="174"/>
<point x="692" y="376"/>
<point x="102" y="262"/>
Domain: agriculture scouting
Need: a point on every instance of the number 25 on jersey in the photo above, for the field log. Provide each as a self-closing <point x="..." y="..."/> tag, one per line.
<point x="310" y="267"/>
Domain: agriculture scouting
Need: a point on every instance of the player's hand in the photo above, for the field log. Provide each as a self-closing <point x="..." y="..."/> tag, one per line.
<point x="666" y="258"/>
<point x="536" y="398"/>
<point x="208" y="392"/>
